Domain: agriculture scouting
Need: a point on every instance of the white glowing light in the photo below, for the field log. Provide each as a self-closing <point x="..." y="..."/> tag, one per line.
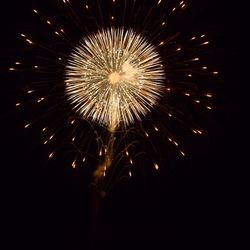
<point x="114" y="77"/>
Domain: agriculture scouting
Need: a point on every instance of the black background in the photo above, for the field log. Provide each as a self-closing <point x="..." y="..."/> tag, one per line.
<point x="45" y="210"/>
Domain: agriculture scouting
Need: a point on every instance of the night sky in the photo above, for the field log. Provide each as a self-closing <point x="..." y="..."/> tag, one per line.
<point x="190" y="205"/>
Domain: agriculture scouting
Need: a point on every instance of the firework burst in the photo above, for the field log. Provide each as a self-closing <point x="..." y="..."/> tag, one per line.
<point x="114" y="77"/>
<point x="117" y="82"/>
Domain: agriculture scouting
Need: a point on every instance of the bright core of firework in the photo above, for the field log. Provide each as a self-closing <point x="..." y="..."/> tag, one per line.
<point x="114" y="77"/>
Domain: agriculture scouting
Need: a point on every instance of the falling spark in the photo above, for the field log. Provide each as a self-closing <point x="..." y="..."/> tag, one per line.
<point x="51" y="137"/>
<point x="196" y="59"/>
<point x="183" y="154"/>
<point x="29" y="41"/>
<point x="27" y="125"/>
<point x="40" y="99"/>
<point x="156" y="166"/>
<point x="209" y="95"/>
<point x="205" y="43"/>
<point x="51" y="155"/>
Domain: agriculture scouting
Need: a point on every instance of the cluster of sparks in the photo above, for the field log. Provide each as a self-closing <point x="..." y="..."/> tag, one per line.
<point x="115" y="77"/>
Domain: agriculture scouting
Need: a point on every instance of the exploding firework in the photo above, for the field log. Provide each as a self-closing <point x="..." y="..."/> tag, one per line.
<point x="118" y="81"/>
<point x="113" y="77"/>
